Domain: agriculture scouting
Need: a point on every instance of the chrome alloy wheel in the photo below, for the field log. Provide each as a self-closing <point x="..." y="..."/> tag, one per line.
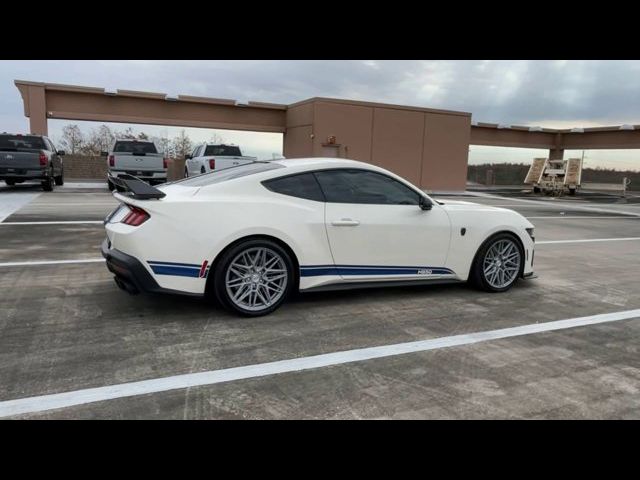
<point x="256" y="278"/>
<point x="502" y="263"/>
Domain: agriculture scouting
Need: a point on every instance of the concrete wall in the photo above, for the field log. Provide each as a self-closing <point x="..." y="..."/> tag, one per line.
<point x="427" y="147"/>
<point x="298" y="137"/>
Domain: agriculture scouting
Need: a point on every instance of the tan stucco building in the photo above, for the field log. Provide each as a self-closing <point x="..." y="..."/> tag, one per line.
<point x="428" y="147"/>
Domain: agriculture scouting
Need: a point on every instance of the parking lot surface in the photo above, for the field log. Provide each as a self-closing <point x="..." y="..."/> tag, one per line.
<point x="66" y="327"/>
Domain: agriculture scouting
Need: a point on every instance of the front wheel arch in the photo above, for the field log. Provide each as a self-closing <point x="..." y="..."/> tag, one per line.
<point x="515" y="236"/>
<point x="209" y="289"/>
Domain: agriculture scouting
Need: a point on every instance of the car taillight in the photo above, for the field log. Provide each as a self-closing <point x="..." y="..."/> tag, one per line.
<point x="136" y="216"/>
<point x="43" y="159"/>
<point x="112" y="161"/>
<point x="165" y="163"/>
<point x="212" y="164"/>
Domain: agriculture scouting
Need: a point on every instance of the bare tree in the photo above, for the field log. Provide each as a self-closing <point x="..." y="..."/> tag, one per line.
<point x="216" y="138"/>
<point x="72" y="138"/>
<point x="163" y="144"/>
<point x="128" y="134"/>
<point x="181" y="144"/>
<point x="100" y="139"/>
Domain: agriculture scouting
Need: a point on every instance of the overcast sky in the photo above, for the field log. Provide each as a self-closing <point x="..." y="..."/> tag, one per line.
<point x="547" y="93"/>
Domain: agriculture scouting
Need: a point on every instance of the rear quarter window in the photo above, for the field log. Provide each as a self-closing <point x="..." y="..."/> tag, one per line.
<point x="134" y="147"/>
<point x="222" y="150"/>
<point x="21" y="142"/>
<point x="303" y="185"/>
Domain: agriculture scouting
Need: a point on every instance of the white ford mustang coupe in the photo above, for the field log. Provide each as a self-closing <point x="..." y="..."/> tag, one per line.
<point x="251" y="234"/>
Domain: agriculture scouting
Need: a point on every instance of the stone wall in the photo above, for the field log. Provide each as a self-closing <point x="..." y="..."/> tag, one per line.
<point x="95" y="168"/>
<point x="85" y="167"/>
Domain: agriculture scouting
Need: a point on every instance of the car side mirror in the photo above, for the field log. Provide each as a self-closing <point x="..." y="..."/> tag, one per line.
<point x="187" y="156"/>
<point x="425" y="203"/>
<point x="61" y="152"/>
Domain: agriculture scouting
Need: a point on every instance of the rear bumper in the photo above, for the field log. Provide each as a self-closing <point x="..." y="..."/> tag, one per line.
<point x="147" y="175"/>
<point x="22" y="174"/>
<point x="131" y="275"/>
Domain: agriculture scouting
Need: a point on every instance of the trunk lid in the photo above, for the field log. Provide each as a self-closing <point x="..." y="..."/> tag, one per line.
<point x="14" y="161"/>
<point x="138" y="162"/>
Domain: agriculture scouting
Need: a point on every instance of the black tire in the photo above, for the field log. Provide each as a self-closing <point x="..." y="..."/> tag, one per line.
<point x="186" y="172"/>
<point x="572" y="191"/>
<point x="202" y="170"/>
<point x="11" y="183"/>
<point x="111" y="186"/>
<point x="536" y="189"/>
<point x="477" y="276"/>
<point x="220" y="275"/>
<point x="60" y="179"/>
<point x="48" y="183"/>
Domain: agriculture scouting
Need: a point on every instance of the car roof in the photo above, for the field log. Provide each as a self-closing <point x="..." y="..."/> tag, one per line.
<point x="321" y="162"/>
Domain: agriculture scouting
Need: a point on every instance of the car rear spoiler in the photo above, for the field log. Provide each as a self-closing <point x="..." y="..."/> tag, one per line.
<point x="134" y="187"/>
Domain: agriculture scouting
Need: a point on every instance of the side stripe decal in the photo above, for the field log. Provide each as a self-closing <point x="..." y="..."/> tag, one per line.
<point x="346" y="270"/>
<point x="202" y="271"/>
<point x="179" y="269"/>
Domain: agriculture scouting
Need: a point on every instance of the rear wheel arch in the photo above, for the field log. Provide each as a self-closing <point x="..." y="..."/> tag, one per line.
<point x="294" y="258"/>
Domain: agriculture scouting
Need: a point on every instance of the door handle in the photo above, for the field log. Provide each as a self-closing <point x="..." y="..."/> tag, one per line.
<point x="345" y="222"/>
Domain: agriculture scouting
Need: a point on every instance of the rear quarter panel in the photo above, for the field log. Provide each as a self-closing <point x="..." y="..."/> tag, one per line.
<point x="192" y="229"/>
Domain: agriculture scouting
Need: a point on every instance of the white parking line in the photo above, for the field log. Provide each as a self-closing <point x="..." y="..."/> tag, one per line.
<point x="72" y="204"/>
<point x="587" y="240"/>
<point x="567" y="206"/>
<point x="90" y="395"/>
<point x="61" y="222"/>
<point x="97" y="260"/>
<point x="50" y="262"/>
<point x="14" y="201"/>
<point x="574" y="217"/>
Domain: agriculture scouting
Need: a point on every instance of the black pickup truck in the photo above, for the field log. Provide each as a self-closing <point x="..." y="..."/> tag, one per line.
<point x="30" y="157"/>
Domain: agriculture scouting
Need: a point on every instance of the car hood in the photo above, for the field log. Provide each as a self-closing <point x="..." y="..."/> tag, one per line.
<point x="462" y="205"/>
<point x="461" y="208"/>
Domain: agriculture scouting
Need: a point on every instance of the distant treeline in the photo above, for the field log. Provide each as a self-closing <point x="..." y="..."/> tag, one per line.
<point x="515" y="173"/>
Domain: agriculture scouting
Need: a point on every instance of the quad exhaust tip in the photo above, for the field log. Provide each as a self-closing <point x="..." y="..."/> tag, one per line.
<point x="126" y="286"/>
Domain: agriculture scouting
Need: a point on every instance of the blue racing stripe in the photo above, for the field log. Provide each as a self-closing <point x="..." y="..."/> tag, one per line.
<point x="347" y="270"/>
<point x="177" y="271"/>
<point x="154" y="262"/>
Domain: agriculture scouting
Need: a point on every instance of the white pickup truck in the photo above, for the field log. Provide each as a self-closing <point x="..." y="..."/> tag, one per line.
<point x="208" y="157"/>
<point x="138" y="158"/>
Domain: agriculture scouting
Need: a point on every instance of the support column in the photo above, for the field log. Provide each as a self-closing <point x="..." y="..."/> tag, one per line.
<point x="37" y="110"/>
<point x="556" y="153"/>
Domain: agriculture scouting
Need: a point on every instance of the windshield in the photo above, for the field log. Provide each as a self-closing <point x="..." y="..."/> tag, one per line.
<point x="228" y="174"/>
<point x="224" y="150"/>
<point x="134" y="147"/>
<point x="20" y="142"/>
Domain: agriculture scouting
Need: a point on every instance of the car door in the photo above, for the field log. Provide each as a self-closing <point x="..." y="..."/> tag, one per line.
<point x="377" y="230"/>
<point x="194" y="162"/>
<point x="56" y="161"/>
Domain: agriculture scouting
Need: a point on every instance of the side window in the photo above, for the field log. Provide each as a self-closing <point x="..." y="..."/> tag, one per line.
<point x="303" y="185"/>
<point x="49" y="144"/>
<point x="195" y="151"/>
<point x="366" y="187"/>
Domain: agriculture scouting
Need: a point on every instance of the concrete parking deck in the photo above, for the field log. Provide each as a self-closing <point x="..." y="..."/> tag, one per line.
<point x="65" y="327"/>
